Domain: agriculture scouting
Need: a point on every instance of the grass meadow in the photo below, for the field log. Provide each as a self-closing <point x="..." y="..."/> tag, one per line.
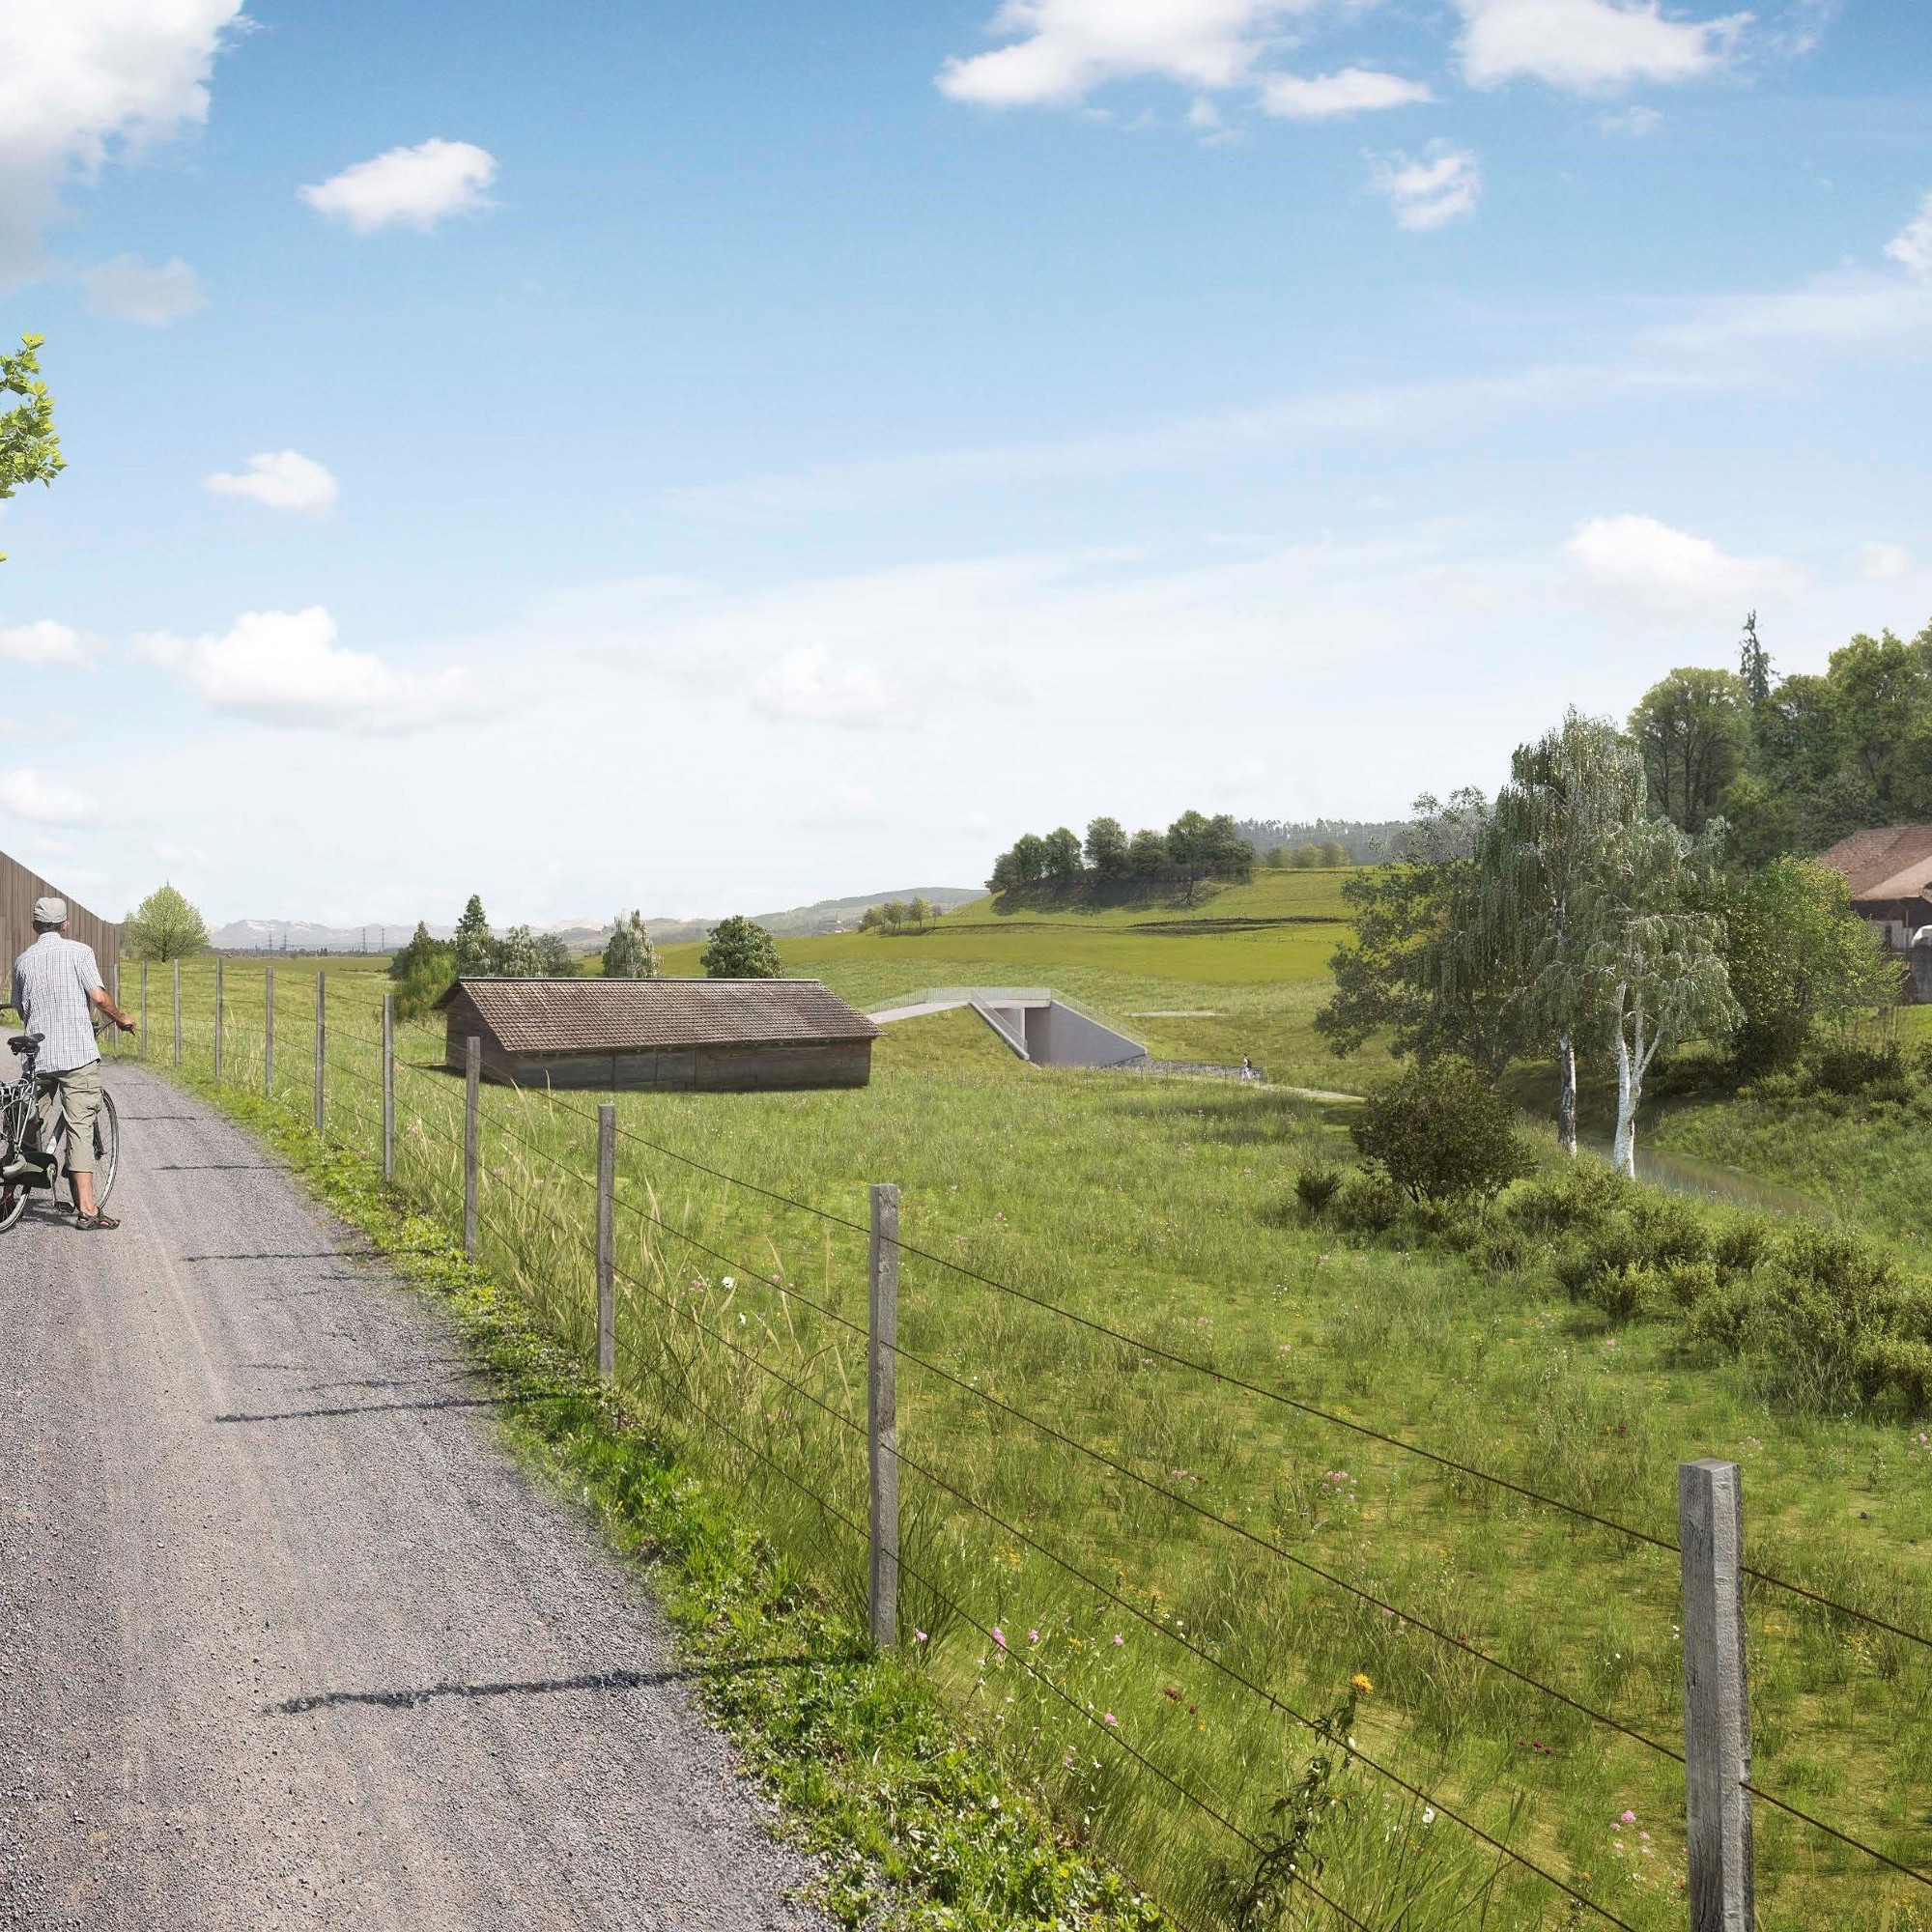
<point x="1163" y="1207"/>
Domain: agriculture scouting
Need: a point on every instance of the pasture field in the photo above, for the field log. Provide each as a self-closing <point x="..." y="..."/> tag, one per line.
<point x="1163" y="1208"/>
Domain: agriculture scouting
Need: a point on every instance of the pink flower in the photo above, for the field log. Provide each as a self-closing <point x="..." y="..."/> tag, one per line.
<point x="1108" y="1717"/>
<point x="1119" y="1639"/>
<point x="1630" y="1818"/>
<point x="919" y="1637"/>
<point x="1032" y="1637"/>
<point x="999" y="1636"/>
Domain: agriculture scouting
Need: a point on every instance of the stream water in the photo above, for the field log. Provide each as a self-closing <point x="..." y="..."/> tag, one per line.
<point x="1711" y="1180"/>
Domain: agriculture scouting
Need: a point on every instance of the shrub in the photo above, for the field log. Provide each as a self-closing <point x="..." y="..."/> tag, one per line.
<point x="1741" y="1247"/>
<point x="1369" y="1202"/>
<point x="1315" y="1187"/>
<point x="1439" y="1133"/>
<point x="1625" y="1292"/>
<point x="1729" y="1317"/>
<point x="1689" y="1282"/>
<point x="1578" y="1195"/>
<point x="1667" y="1229"/>
<point x="1855" y="1068"/>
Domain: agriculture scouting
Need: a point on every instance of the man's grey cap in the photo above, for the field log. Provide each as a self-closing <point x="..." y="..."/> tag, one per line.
<point x="49" y="911"/>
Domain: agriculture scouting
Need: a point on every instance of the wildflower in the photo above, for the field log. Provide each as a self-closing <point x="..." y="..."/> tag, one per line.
<point x="1119" y="1639"/>
<point x="1362" y="1682"/>
<point x="1429" y="1814"/>
<point x="1630" y="1818"/>
<point x="1108" y="1717"/>
<point x="1032" y="1637"/>
<point x="727" y="1281"/>
<point x="999" y="1636"/>
<point x="919" y="1637"/>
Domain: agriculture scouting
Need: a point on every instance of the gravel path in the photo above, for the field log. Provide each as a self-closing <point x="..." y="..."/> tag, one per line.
<point x="286" y="1638"/>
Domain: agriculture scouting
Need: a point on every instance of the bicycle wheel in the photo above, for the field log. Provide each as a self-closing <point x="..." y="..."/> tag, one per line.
<point x="106" y="1150"/>
<point x="12" y="1210"/>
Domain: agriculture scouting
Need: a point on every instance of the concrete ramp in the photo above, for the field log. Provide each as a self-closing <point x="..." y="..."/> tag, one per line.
<point x="1040" y="1026"/>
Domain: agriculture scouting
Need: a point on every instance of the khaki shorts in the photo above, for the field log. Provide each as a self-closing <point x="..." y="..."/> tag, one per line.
<point x="78" y="1096"/>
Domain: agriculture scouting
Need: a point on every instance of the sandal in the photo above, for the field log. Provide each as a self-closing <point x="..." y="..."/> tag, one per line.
<point x="96" y="1221"/>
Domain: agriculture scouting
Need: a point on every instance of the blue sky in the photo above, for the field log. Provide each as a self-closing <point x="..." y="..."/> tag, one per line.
<point x="705" y="457"/>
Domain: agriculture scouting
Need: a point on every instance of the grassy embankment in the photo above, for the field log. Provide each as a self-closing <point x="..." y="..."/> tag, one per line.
<point x="1159" y="1207"/>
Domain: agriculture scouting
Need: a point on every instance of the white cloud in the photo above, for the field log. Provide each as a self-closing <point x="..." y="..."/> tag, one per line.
<point x="1590" y="46"/>
<point x="279" y="480"/>
<point x="1063" y="49"/>
<point x="1880" y="561"/>
<point x="1911" y="246"/>
<point x="27" y="795"/>
<point x="805" y="684"/>
<point x="84" y="82"/>
<point x="42" y="644"/>
<point x="1634" y="123"/>
<point x="1444" y="186"/>
<point x="284" y="668"/>
<point x="126" y="290"/>
<point x="1354" y="90"/>
<point x="407" y="188"/>
<point x="1644" y="561"/>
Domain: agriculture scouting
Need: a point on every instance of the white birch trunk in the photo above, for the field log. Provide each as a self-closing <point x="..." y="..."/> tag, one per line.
<point x="1630" y="1081"/>
<point x="1566" y="1092"/>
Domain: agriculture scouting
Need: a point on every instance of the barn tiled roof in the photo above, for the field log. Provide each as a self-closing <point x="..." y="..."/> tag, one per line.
<point x="1893" y="862"/>
<point x="554" y="1016"/>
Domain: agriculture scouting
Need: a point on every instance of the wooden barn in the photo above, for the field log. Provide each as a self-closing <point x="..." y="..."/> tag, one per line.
<point x="692" y="1035"/>
<point x="18" y="890"/>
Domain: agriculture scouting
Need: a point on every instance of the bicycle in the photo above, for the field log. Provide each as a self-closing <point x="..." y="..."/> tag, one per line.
<point x="20" y="1128"/>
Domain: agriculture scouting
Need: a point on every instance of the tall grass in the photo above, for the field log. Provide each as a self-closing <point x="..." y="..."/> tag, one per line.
<point x="1163" y="1210"/>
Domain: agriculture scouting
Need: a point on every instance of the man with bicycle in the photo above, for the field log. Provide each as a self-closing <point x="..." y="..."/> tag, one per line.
<point x="56" y="988"/>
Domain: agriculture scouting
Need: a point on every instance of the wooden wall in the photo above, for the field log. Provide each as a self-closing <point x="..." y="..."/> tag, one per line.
<point x="18" y="890"/>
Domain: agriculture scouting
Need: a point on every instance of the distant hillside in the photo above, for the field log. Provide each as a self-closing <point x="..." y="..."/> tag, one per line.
<point x="826" y="916"/>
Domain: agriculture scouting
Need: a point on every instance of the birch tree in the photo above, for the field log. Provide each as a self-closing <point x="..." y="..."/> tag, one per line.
<point x="1572" y="797"/>
<point x="1654" y="958"/>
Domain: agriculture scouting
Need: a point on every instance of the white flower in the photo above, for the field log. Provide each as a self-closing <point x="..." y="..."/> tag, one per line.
<point x="1429" y="1814"/>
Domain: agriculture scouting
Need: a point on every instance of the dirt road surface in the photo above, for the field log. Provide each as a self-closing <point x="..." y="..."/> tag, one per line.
<point x="286" y="1638"/>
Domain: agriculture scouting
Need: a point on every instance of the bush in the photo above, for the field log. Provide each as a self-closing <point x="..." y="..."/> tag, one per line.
<point x="1438" y="1133"/>
<point x="1315" y="1187"/>
<point x="1369" y="1202"/>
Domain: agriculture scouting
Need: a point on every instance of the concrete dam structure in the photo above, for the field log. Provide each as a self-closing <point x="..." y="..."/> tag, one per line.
<point x="1040" y="1026"/>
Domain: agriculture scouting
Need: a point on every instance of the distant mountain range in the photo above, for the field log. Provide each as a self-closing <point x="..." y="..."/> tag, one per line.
<point x="301" y="935"/>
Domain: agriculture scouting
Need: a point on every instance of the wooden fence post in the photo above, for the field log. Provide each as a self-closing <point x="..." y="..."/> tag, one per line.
<point x="178" y="1012"/>
<point x="217" y="1019"/>
<point x="388" y="1087"/>
<point x="320" y="1042"/>
<point x="882" y="1416"/>
<point x="144" y="1009"/>
<point x="269" y="1033"/>
<point x="607" y="1242"/>
<point x="472" y="1137"/>
<point x="1717" y="1715"/>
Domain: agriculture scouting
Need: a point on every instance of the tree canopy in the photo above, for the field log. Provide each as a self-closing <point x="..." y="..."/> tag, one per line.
<point x="30" y="450"/>
<point x="164" y="926"/>
<point x="1194" y="847"/>
<point x="628" y="953"/>
<point x="740" y="948"/>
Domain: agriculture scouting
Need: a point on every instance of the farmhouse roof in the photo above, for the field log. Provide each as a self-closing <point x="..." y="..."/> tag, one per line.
<point x="558" y="1016"/>
<point x="1893" y="862"/>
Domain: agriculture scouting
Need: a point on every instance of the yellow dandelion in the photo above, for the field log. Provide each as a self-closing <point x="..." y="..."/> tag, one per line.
<point x="1361" y="1683"/>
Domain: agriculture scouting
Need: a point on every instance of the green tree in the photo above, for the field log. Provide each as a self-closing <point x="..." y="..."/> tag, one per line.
<point x="1797" y="958"/>
<point x="1147" y="854"/>
<point x="1571" y="797"/>
<point x="1753" y="667"/>
<point x="421" y="971"/>
<point x="920" y="912"/>
<point x="1062" y="855"/>
<point x="1654" y="957"/>
<point x="1691" y="728"/>
<point x="164" y="926"/>
<point x="1107" y="848"/>
<point x="1189" y="844"/>
<point x="30" y="450"/>
<point x="1332" y="852"/>
<point x="740" y="948"/>
<point x="1883" y="692"/>
<point x="1225" y="853"/>
<point x="1415" y="972"/>
<point x="475" y="944"/>
<point x="873" y="918"/>
<point x="514" y="956"/>
<point x="628" y="953"/>
<point x="1029" y="857"/>
<point x="553" y="957"/>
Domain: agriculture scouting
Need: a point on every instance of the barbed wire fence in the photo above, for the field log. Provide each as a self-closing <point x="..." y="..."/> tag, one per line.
<point x="574" y="1287"/>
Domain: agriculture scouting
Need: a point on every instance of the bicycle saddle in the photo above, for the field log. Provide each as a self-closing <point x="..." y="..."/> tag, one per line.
<point x="21" y="1042"/>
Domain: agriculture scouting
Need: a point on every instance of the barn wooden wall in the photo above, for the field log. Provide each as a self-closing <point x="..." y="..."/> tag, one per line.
<point x="18" y="890"/>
